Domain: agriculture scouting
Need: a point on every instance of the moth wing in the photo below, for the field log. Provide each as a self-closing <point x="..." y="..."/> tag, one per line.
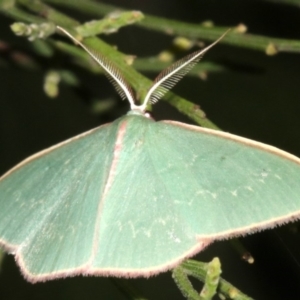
<point x="182" y="188"/>
<point x="228" y="185"/>
<point x="49" y="203"/>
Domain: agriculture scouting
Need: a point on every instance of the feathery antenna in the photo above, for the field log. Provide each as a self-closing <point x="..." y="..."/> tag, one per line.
<point x="112" y="72"/>
<point x="161" y="85"/>
<point x="171" y="75"/>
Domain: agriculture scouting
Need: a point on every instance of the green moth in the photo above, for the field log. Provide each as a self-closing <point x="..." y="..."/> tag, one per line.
<point x="136" y="197"/>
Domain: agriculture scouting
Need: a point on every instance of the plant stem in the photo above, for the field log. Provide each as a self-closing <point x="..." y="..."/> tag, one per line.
<point x="199" y="270"/>
<point x="9" y="8"/>
<point x="137" y="80"/>
<point x="140" y="83"/>
<point x="192" y="31"/>
<point x="155" y="65"/>
<point x="48" y="13"/>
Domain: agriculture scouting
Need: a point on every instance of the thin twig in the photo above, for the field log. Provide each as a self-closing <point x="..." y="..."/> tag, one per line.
<point x="266" y="44"/>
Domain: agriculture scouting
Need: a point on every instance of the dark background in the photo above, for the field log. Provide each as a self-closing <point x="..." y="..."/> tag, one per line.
<point x="257" y="97"/>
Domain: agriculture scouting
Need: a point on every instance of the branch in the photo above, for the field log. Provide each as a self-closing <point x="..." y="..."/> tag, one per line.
<point x="137" y="80"/>
<point x="140" y="83"/>
<point x="153" y="64"/>
<point x="268" y="45"/>
<point x="199" y="270"/>
<point x="109" y="24"/>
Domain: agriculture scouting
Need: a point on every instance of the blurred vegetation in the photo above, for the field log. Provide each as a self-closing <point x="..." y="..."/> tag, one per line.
<point x="248" y="85"/>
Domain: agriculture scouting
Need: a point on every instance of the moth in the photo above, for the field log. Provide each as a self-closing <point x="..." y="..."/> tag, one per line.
<point x="136" y="197"/>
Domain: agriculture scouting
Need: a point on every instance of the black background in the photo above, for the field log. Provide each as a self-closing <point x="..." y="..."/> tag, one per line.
<point x="258" y="98"/>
